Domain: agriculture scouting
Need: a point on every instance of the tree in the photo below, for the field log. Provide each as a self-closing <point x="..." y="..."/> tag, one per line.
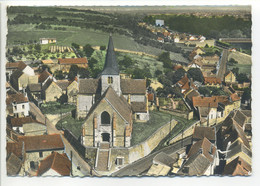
<point x="246" y="95"/>
<point x="63" y="99"/>
<point x="44" y="67"/>
<point x="10" y="59"/>
<point x="126" y="62"/>
<point x="92" y="62"/>
<point x="83" y="73"/>
<point x="73" y="72"/>
<point x="75" y="45"/>
<point x="241" y="78"/>
<point x="59" y="75"/>
<point x="38" y="47"/>
<point x="158" y="73"/>
<point x="195" y="74"/>
<point x="88" y="50"/>
<point x="102" y="48"/>
<point x="165" y="58"/>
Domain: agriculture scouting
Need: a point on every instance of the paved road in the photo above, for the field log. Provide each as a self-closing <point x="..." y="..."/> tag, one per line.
<point x="145" y="163"/>
<point x="223" y="64"/>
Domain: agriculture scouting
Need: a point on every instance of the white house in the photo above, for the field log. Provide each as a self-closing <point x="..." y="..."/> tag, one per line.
<point x="17" y="105"/>
<point x="159" y="22"/>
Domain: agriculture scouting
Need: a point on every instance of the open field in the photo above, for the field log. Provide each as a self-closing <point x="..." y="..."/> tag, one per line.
<point x="241" y="58"/>
<point x="81" y="37"/>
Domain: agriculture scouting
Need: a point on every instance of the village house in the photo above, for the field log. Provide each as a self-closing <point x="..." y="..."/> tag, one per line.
<point x="201" y="160"/>
<point x="34" y="93"/>
<point x="185" y="84"/>
<point x="45" y="76"/>
<point x="66" y="63"/>
<point x="230" y="78"/>
<point x="162" y="164"/>
<point x="15" y="156"/>
<point x="10" y="68"/>
<point x="45" y="41"/>
<point x="55" y="164"/>
<point x="160" y="39"/>
<point x="17" y="105"/>
<point x="38" y="148"/>
<point x="27" y="126"/>
<point x="212" y="81"/>
<point x="201" y="131"/>
<point x="47" y="61"/>
<point x="237" y="167"/>
<point x="51" y="91"/>
<point x="159" y="22"/>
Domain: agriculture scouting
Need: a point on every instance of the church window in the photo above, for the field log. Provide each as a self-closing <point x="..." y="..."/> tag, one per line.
<point x="110" y="80"/>
<point x="105" y="118"/>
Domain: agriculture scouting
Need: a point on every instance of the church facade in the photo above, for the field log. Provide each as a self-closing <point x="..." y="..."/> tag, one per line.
<point x="110" y="105"/>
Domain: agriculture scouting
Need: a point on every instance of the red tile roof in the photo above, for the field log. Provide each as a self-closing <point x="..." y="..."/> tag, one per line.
<point x="209" y="101"/>
<point x="18" y="122"/>
<point x="212" y="80"/>
<point x="71" y="61"/>
<point x="42" y="142"/>
<point x="237" y="167"/>
<point x="18" y="98"/>
<point x="15" y="148"/>
<point x="58" y="162"/>
<point x="43" y="76"/>
<point x="21" y="65"/>
<point x="12" y="65"/>
<point x="234" y="97"/>
<point x="208" y="149"/>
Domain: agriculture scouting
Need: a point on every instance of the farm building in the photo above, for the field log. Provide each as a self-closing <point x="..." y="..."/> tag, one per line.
<point x="44" y="41"/>
<point x="66" y="63"/>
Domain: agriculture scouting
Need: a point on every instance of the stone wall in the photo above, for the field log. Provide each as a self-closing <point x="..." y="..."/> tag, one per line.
<point x="187" y="115"/>
<point x="143" y="149"/>
<point x="186" y="133"/>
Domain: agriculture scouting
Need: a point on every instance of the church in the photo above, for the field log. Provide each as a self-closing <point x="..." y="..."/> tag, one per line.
<point x="110" y="105"/>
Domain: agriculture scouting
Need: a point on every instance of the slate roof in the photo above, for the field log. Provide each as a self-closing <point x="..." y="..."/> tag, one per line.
<point x="247" y="113"/>
<point x="47" y="84"/>
<point x="16" y="74"/>
<point x="58" y="162"/>
<point x="111" y="66"/>
<point x="236" y="148"/>
<point x="164" y="158"/>
<point x="36" y="87"/>
<point x="240" y="118"/>
<point x="72" y="61"/>
<point x="18" y="122"/>
<point x="89" y="86"/>
<point x="43" y="76"/>
<point x="204" y="111"/>
<point x="13" y="165"/>
<point x="201" y="132"/>
<point x="42" y="142"/>
<point x="63" y="84"/>
<point x="119" y="103"/>
<point x="191" y="94"/>
<point x="18" y="98"/>
<point x="237" y="167"/>
<point x="133" y="86"/>
<point x="196" y="165"/>
<point x="138" y="106"/>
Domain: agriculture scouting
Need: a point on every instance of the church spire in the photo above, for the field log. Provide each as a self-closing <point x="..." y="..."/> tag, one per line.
<point x="111" y="66"/>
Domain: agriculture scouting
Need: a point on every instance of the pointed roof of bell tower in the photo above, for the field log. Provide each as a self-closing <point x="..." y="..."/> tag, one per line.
<point x="111" y="66"/>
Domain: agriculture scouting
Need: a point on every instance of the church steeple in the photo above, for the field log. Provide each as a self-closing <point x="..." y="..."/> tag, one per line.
<point x="111" y="66"/>
<point x="110" y="75"/>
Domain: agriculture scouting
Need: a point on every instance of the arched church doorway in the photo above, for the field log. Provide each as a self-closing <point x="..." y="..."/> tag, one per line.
<point x="105" y="137"/>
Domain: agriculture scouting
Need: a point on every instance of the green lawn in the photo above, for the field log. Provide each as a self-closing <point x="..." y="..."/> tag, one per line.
<point x="54" y="108"/>
<point x="71" y="124"/>
<point x="142" y="130"/>
<point x="243" y="68"/>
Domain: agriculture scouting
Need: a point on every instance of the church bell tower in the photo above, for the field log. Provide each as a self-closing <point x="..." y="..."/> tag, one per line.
<point x="110" y="74"/>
